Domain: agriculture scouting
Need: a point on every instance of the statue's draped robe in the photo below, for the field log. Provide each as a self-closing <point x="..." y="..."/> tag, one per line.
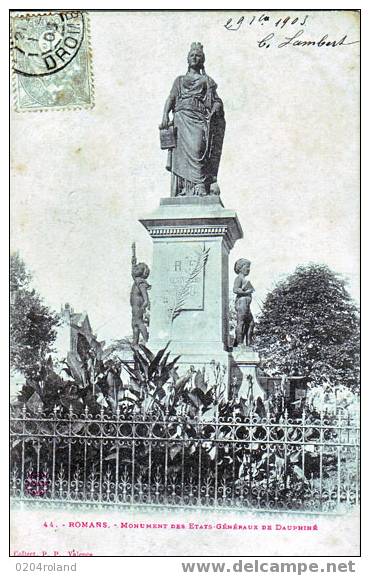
<point x="196" y="158"/>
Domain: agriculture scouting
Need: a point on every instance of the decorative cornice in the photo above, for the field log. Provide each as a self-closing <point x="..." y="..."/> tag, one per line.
<point x="191" y="231"/>
<point x="187" y="230"/>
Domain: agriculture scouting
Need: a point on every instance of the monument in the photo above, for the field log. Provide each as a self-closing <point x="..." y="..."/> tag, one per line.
<point x="193" y="234"/>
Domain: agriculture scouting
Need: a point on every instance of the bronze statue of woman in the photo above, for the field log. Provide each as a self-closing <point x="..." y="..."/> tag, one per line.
<point x="199" y="124"/>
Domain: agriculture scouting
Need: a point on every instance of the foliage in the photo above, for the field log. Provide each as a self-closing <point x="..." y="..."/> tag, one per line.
<point x="201" y="428"/>
<point x="309" y="326"/>
<point x="92" y="382"/>
<point x="32" y="324"/>
<point x="158" y="388"/>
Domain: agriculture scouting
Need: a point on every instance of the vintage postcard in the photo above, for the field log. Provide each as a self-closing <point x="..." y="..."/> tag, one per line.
<point x="184" y="283"/>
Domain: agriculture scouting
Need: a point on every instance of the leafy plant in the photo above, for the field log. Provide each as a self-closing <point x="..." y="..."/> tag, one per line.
<point x="309" y="326"/>
<point x="32" y="324"/>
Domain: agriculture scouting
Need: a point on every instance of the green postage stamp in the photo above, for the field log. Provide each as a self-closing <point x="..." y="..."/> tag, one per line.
<point x="51" y="60"/>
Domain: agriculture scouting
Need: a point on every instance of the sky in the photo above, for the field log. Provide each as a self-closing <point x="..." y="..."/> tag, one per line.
<point x="81" y="179"/>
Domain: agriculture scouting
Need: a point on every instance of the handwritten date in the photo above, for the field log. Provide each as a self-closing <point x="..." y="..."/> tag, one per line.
<point x="233" y="24"/>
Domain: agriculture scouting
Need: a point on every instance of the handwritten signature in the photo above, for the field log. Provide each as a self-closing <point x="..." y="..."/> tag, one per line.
<point x="323" y="42"/>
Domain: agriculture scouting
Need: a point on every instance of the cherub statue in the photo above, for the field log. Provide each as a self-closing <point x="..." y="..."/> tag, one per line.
<point x="139" y="299"/>
<point x="243" y="290"/>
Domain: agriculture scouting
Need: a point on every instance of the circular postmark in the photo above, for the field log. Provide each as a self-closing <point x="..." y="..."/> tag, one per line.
<point x="43" y="44"/>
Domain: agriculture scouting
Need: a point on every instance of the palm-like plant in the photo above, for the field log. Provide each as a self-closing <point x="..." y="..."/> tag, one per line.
<point x="152" y="377"/>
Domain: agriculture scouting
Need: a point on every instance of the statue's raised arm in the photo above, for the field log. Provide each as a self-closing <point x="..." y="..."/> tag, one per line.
<point x="195" y="134"/>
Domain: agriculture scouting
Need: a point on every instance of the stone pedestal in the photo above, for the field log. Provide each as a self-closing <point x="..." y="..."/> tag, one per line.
<point x="243" y="374"/>
<point x="192" y="239"/>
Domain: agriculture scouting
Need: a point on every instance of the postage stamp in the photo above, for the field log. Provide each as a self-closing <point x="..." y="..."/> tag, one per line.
<point x="51" y="61"/>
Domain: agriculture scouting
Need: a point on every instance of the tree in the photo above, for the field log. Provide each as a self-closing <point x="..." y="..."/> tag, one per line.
<point x="309" y="326"/>
<point x="32" y="324"/>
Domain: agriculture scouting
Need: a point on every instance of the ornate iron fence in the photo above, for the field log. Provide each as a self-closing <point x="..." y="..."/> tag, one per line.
<point x="309" y="464"/>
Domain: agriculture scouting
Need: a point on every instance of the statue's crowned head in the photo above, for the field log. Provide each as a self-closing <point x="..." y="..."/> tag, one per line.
<point x="196" y="48"/>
